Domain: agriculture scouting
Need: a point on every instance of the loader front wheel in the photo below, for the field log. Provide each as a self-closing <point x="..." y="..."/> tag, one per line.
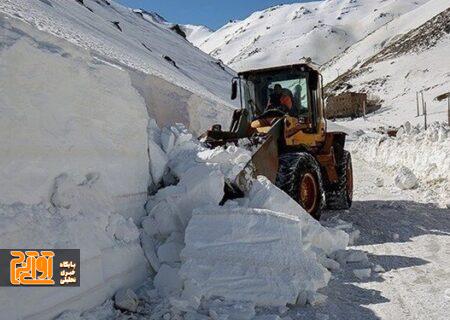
<point x="339" y="196"/>
<point x="299" y="176"/>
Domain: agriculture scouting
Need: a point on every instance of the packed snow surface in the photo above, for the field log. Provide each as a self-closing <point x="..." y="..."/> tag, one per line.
<point x="80" y="214"/>
<point x="74" y="167"/>
<point x="60" y="115"/>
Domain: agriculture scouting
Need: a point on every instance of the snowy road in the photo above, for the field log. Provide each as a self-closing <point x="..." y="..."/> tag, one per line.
<point x="409" y="239"/>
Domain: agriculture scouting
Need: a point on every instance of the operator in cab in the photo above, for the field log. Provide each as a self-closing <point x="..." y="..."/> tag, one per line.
<point x="280" y="99"/>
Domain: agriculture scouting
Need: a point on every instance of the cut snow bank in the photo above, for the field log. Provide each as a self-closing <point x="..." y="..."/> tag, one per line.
<point x="264" y="249"/>
<point x="76" y="138"/>
<point x="80" y="215"/>
<point x="63" y="112"/>
<point x="73" y="168"/>
<point x="414" y="152"/>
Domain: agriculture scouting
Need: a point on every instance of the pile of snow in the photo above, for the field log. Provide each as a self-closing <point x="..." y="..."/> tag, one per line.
<point x="262" y="250"/>
<point x="244" y="260"/>
<point x="413" y="152"/>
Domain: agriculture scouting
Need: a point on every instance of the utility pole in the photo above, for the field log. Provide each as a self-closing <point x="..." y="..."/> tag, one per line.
<point x="364" y="107"/>
<point x="424" y="110"/>
<point x="423" y="100"/>
<point x="448" y="109"/>
<point x="417" y="103"/>
<point x="425" y="114"/>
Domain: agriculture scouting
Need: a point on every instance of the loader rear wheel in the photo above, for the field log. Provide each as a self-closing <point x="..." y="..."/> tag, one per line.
<point x="299" y="176"/>
<point x="339" y="196"/>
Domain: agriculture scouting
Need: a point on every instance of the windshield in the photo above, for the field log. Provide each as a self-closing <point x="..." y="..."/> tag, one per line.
<point x="281" y="91"/>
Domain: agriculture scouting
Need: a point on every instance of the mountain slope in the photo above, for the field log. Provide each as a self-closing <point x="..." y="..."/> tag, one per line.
<point x="196" y="34"/>
<point x="285" y="34"/>
<point x="376" y="41"/>
<point x="410" y="54"/>
<point x="387" y="48"/>
<point x="134" y="38"/>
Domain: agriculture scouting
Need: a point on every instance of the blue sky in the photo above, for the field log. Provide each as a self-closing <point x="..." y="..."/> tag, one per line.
<point x="212" y="13"/>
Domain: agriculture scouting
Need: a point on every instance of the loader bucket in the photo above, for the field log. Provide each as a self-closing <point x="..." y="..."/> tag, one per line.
<point x="264" y="161"/>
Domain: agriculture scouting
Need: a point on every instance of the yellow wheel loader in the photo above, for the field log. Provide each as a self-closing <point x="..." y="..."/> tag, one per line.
<point x="282" y="115"/>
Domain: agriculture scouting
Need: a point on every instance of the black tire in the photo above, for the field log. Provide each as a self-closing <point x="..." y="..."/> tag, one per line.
<point x="339" y="196"/>
<point x="299" y="168"/>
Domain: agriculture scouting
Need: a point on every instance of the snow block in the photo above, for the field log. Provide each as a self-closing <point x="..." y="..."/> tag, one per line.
<point x="265" y="195"/>
<point x="169" y="252"/>
<point x="126" y="299"/>
<point x="219" y="310"/>
<point x="362" y="274"/>
<point x="250" y="255"/>
<point x="157" y="157"/>
<point x="167" y="139"/>
<point x="405" y="179"/>
<point x="167" y="281"/>
<point x="148" y="245"/>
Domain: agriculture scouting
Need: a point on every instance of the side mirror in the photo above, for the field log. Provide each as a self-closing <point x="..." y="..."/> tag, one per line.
<point x="234" y="87"/>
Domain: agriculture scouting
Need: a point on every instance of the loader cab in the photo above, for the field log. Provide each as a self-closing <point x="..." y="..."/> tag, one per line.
<point x="299" y="86"/>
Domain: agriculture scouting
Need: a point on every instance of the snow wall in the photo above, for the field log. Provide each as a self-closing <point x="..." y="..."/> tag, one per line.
<point x="423" y="152"/>
<point x="74" y="164"/>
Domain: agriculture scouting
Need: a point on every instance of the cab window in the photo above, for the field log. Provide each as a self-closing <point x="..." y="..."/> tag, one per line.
<point x="287" y="92"/>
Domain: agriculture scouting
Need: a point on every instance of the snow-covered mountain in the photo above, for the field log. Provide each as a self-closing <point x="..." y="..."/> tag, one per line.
<point x="388" y="48"/>
<point x="196" y="34"/>
<point x="286" y="33"/>
<point x="137" y="39"/>
<point x="407" y="55"/>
